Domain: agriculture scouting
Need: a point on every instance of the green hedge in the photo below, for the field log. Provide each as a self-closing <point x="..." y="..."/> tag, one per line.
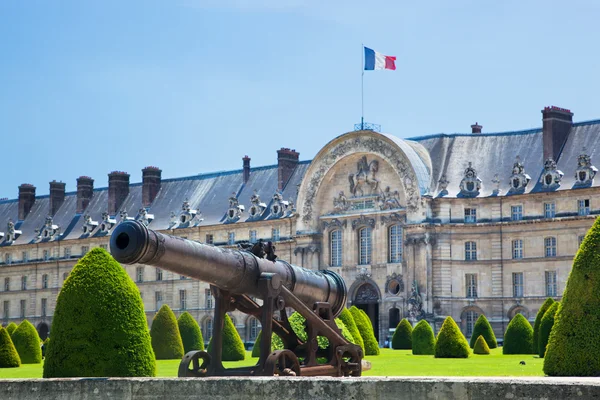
<point x="11" y="328"/>
<point x="450" y="342"/>
<point x="297" y="322"/>
<point x="518" y="338"/>
<point x="191" y="335"/>
<point x="99" y="326"/>
<point x="27" y="342"/>
<point x="573" y="348"/>
<point x="423" y="339"/>
<point x="363" y="324"/>
<point x="233" y="347"/>
<point x="9" y="358"/>
<point x="481" y="346"/>
<point x="483" y="328"/>
<point x="166" y="339"/>
<point x="348" y="320"/>
<point x="546" y="327"/>
<point x="536" y="325"/>
<point x="402" y="338"/>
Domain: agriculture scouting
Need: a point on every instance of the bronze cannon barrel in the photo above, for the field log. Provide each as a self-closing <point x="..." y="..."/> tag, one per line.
<point x="235" y="271"/>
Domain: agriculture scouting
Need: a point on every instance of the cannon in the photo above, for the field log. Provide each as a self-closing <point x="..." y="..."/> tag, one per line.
<point x="237" y="278"/>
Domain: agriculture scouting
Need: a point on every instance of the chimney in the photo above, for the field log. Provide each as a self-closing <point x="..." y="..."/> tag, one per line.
<point x="118" y="189"/>
<point x="476" y="128"/>
<point x="556" y="125"/>
<point x="57" y="196"/>
<point x="287" y="160"/>
<point x="26" y="199"/>
<point x="151" y="178"/>
<point x="246" y="163"/>
<point x="85" y="191"/>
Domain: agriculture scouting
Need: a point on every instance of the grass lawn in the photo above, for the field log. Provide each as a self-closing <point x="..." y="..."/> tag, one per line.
<point x="389" y="363"/>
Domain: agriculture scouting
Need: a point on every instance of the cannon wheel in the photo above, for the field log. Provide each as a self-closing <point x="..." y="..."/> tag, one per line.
<point x="282" y="363"/>
<point x="198" y="370"/>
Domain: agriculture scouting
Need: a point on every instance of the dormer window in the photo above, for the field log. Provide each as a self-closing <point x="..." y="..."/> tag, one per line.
<point x="258" y="207"/>
<point x="144" y="217"/>
<point x="187" y="217"/>
<point x="49" y="231"/>
<point x="551" y="176"/>
<point x="519" y="179"/>
<point x="88" y="225"/>
<point x="107" y="223"/>
<point x="585" y="173"/>
<point x="470" y="185"/>
<point x="235" y="209"/>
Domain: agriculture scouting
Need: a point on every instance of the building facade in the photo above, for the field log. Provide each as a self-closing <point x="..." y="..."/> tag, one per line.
<point x="445" y="225"/>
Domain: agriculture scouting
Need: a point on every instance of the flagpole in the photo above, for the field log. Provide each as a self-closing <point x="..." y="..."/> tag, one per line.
<point x="362" y="88"/>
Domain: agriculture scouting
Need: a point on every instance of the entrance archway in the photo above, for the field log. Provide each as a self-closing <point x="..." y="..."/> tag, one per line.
<point x="394" y="317"/>
<point x="367" y="299"/>
<point x="43" y="330"/>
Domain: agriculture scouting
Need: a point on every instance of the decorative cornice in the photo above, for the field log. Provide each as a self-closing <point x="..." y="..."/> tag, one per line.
<point x="393" y="218"/>
<point x="363" y="221"/>
<point x="334" y="223"/>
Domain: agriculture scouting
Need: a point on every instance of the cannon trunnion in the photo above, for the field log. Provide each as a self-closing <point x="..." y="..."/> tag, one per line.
<point x="238" y="276"/>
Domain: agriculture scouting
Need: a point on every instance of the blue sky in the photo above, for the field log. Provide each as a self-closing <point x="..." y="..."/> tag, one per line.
<point x="87" y="87"/>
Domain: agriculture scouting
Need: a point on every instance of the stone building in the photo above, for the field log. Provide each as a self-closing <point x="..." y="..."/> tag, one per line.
<point x="444" y="225"/>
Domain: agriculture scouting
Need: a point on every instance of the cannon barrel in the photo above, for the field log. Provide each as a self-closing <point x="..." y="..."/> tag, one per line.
<point x="235" y="271"/>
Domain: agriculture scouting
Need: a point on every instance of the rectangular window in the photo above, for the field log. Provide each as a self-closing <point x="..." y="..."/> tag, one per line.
<point x="182" y="300"/>
<point x="8" y="258"/>
<point x="158" y="300"/>
<point x="209" y="299"/>
<point x="210" y="239"/>
<point x="471" y="285"/>
<point x="470" y="251"/>
<point x="23" y="308"/>
<point x="275" y="234"/>
<point x="550" y="246"/>
<point x="6" y="284"/>
<point x="6" y="308"/>
<point x="470" y="215"/>
<point x="46" y="255"/>
<point x="517" y="278"/>
<point x="67" y="252"/>
<point x="549" y="210"/>
<point x="335" y="240"/>
<point x="231" y="238"/>
<point x="159" y="274"/>
<point x="252" y="236"/>
<point x="84" y="250"/>
<point x="517" y="249"/>
<point x="365" y="246"/>
<point x="551" y="288"/>
<point x="516" y="213"/>
<point x="25" y="256"/>
<point x="583" y="207"/>
<point x="395" y="243"/>
<point x="45" y="281"/>
<point x="139" y="274"/>
<point x="471" y="319"/>
<point x="24" y="282"/>
<point x="44" y="303"/>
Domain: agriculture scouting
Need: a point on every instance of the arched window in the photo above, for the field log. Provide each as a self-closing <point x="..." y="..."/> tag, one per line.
<point x="470" y="251"/>
<point x="364" y="236"/>
<point x="253" y="329"/>
<point x="471" y="319"/>
<point x="395" y="243"/>
<point x="550" y="246"/>
<point x="208" y="329"/>
<point x="335" y="241"/>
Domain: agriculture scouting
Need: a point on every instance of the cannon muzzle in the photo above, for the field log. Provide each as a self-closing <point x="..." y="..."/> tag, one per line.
<point x="235" y="271"/>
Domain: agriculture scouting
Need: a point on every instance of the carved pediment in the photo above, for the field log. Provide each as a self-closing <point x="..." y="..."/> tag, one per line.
<point x="393" y="218"/>
<point x="334" y="224"/>
<point x="363" y="221"/>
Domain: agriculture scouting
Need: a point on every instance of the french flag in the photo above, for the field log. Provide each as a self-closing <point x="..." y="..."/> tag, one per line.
<point x="375" y="60"/>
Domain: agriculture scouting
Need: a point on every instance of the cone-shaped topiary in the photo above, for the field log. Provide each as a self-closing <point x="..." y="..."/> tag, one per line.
<point x="482" y="327"/>
<point x="233" y="347"/>
<point x="11" y="328"/>
<point x="9" y="358"/>
<point x="574" y="344"/>
<point x="402" y="339"/>
<point x="99" y="326"/>
<point x="518" y="338"/>
<point x="481" y="346"/>
<point x="546" y="327"/>
<point x="348" y="320"/>
<point x="423" y="340"/>
<point x="450" y="341"/>
<point x="166" y="339"/>
<point x="276" y="344"/>
<point x="45" y="347"/>
<point x="191" y="335"/>
<point x="363" y="324"/>
<point x="538" y="320"/>
<point x="27" y="342"/>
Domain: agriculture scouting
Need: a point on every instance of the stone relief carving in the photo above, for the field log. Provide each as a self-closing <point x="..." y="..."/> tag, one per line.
<point x="11" y="234"/>
<point x="358" y="144"/>
<point x="340" y="203"/>
<point x="334" y="223"/>
<point x="519" y="179"/>
<point x="144" y="217"/>
<point x="49" y="231"/>
<point x="389" y="200"/>
<point x="362" y="221"/>
<point x="393" y="218"/>
<point x="415" y="304"/>
<point x="551" y="176"/>
<point x="366" y="294"/>
<point x="235" y="209"/>
<point x="584" y="175"/>
<point x="88" y="225"/>
<point x="363" y="274"/>
<point x="470" y="185"/>
<point x="364" y="181"/>
<point x="107" y="222"/>
<point x="257" y="207"/>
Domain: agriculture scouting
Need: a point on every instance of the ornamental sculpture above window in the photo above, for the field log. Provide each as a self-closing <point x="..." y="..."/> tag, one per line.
<point x="551" y="176"/>
<point x="49" y="231"/>
<point x="187" y="217"/>
<point x="363" y="182"/>
<point x="257" y="207"/>
<point x="107" y="222"/>
<point x="519" y="179"/>
<point x="584" y="175"/>
<point x="11" y="233"/>
<point x="235" y="209"/>
<point x="88" y="224"/>
<point x="144" y="217"/>
<point x="470" y="185"/>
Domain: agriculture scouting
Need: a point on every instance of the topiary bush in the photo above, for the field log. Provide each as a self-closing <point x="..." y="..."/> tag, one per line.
<point x="402" y="338"/>
<point x="538" y="320"/>
<point x="166" y="339"/>
<point x="99" y="326"/>
<point x="348" y="320"/>
<point x="546" y="327"/>
<point x="45" y="346"/>
<point x="27" y="342"/>
<point x="233" y="347"/>
<point x="9" y="358"/>
<point x="276" y="344"/>
<point x="423" y="340"/>
<point x="450" y="342"/>
<point x="11" y="328"/>
<point x="482" y="327"/>
<point x="574" y="345"/>
<point x="481" y="346"/>
<point x="518" y="338"/>
<point x="363" y="324"/>
<point x="191" y="335"/>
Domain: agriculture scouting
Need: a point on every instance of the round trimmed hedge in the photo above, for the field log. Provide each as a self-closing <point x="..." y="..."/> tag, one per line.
<point x="9" y="358"/>
<point x="27" y="342"/>
<point x="191" y="335"/>
<point x="99" y="328"/>
<point x="450" y="342"/>
<point x="363" y="324"/>
<point x="574" y="344"/>
<point x="536" y="325"/>
<point x="546" y="327"/>
<point x="166" y="339"/>
<point x="423" y="339"/>
<point x="10" y="328"/>
<point x="481" y="346"/>
<point x="348" y="320"/>
<point x="233" y="347"/>
<point x="483" y="328"/>
<point x="402" y="338"/>
<point x="518" y="338"/>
